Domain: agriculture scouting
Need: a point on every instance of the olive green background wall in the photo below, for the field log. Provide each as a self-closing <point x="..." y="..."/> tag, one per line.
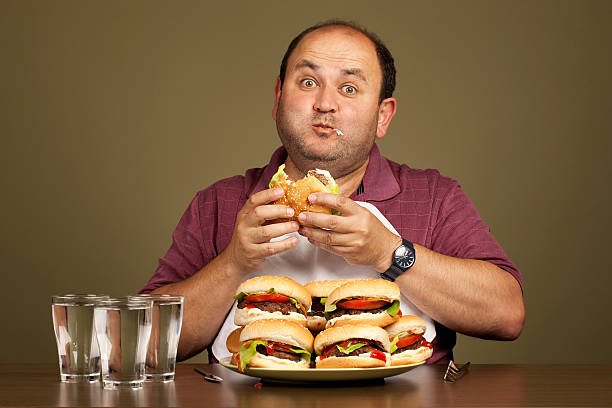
<point x="113" y="114"/>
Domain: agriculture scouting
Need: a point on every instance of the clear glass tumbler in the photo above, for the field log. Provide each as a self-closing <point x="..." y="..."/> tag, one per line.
<point x="77" y="346"/>
<point x="123" y="328"/>
<point x="165" y="334"/>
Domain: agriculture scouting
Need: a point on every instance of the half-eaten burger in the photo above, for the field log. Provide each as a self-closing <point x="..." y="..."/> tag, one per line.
<point x="297" y="192"/>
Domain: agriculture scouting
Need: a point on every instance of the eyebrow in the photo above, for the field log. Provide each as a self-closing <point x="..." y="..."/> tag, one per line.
<point x="346" y="71"/>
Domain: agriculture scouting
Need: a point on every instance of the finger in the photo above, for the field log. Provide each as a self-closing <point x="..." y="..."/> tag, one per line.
<point x="263" y="197"/>
<point x="269" y="212"/>
<point x="275" y="247"/>
<point x="328" y="221"/>
<point x="267" y="232"/>
<point x="327" y="237"/>
<point x="338" y="250"/>
<point x="345" y="205"/>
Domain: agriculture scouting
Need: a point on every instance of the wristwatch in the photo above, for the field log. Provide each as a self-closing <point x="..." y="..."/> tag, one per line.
<point x="403" y="259"/>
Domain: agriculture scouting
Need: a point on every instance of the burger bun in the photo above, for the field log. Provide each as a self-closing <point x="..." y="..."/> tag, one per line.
<point x="411" y="356"/>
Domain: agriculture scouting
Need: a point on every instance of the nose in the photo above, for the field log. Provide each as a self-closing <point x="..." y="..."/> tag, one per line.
<point x="325" y="100"/>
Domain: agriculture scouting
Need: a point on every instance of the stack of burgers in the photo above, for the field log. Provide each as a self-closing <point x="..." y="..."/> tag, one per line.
<point x="357" y="323"/>
<point x="271" y="315"/>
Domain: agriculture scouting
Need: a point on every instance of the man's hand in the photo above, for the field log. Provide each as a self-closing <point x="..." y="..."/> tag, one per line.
<point x="250" y="244"/>
<point x="357" y="235"/>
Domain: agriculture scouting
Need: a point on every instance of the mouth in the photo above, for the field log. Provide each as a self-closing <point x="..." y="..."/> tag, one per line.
<point x="327" y="128"/>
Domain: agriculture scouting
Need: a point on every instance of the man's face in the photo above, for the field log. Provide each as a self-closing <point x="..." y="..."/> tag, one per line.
<point x="333" y="81"/>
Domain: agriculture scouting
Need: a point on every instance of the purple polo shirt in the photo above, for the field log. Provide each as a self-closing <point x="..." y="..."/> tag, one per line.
<point x="423" y="206"/>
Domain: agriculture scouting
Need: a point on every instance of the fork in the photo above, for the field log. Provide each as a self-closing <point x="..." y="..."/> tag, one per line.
<point x="453" y="373"/>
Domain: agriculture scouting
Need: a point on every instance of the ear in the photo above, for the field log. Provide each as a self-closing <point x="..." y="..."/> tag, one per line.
<point x="277" y="94"/>
<point x="386" y="111"/>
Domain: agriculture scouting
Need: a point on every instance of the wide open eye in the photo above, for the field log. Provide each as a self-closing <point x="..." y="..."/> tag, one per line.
<point x="349" y="89"/>
<point x="309" y="83"/>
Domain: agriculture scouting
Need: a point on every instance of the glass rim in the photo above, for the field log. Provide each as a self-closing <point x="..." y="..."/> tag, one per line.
<point x="159" y="297"/>
<point x="80" y="298"/>
<point x="125" y="301"/>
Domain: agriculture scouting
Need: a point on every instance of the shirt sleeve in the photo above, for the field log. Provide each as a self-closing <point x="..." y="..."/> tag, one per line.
<point x="460" y="232"/>
<point x="192" y="247"/>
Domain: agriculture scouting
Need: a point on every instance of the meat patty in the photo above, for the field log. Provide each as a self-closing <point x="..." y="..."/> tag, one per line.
<point x="317" y="306"/>
<point x="319" y="314"/>
<point x="284" y="308"/>
<point x="261" y="349"/>
<point x="342" y="312"/>
<point x="365" y="349"/>
<point x="412" y="346"/>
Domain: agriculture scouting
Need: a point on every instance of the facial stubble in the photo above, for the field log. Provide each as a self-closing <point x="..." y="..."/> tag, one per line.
<point x="349" y="152"/>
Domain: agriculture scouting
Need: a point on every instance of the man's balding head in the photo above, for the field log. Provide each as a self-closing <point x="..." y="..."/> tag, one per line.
<point x="385" y="59"/>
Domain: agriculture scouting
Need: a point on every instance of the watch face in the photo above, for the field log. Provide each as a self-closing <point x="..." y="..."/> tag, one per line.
<point x="404" y="257"/>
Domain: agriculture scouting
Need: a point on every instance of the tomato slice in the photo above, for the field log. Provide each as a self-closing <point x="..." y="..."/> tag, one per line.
<point x="378" y="355"/>
<point x="408" y="340"/>
<point x="270" y="349"/>
<point x="267" y="297"/>
<point x="361" y="304"/>
<point x="279" y="346"/>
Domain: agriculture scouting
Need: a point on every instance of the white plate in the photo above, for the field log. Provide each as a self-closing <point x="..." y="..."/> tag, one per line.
<point x="321" y="374"/>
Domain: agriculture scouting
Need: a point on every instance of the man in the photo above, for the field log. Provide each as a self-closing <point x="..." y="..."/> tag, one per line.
<point x="338" y="76"/>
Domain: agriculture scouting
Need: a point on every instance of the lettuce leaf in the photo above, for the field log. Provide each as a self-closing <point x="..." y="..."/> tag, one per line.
<point x="395" y="339"/>
<point x="306" y="354"/>
<point x="350" y="348"/>
<point x="298" y="305"/>
<point x="330" y="307"/>
<point x="275" y="177"/>
<point x="246" y="353"/>
<point x="394" y="308"/>
<point x="241" y="295"/>
<point x="323" y="300"/>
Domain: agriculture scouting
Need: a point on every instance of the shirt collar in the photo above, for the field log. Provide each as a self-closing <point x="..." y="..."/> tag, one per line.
<point x="379" y="182"/>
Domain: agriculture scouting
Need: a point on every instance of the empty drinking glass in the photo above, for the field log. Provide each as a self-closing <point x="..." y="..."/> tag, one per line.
<point x="165" y="333"/>
<point x="77" y="347"/>
<point x="123" y="328"/>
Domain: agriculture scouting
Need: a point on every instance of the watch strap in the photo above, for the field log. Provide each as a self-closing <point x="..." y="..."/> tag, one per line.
<point x="394" y="270"/>
<point x="392" y="273"/>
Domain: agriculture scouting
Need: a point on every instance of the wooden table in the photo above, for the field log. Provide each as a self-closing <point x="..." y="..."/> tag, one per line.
<point x="485" y="385"/>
